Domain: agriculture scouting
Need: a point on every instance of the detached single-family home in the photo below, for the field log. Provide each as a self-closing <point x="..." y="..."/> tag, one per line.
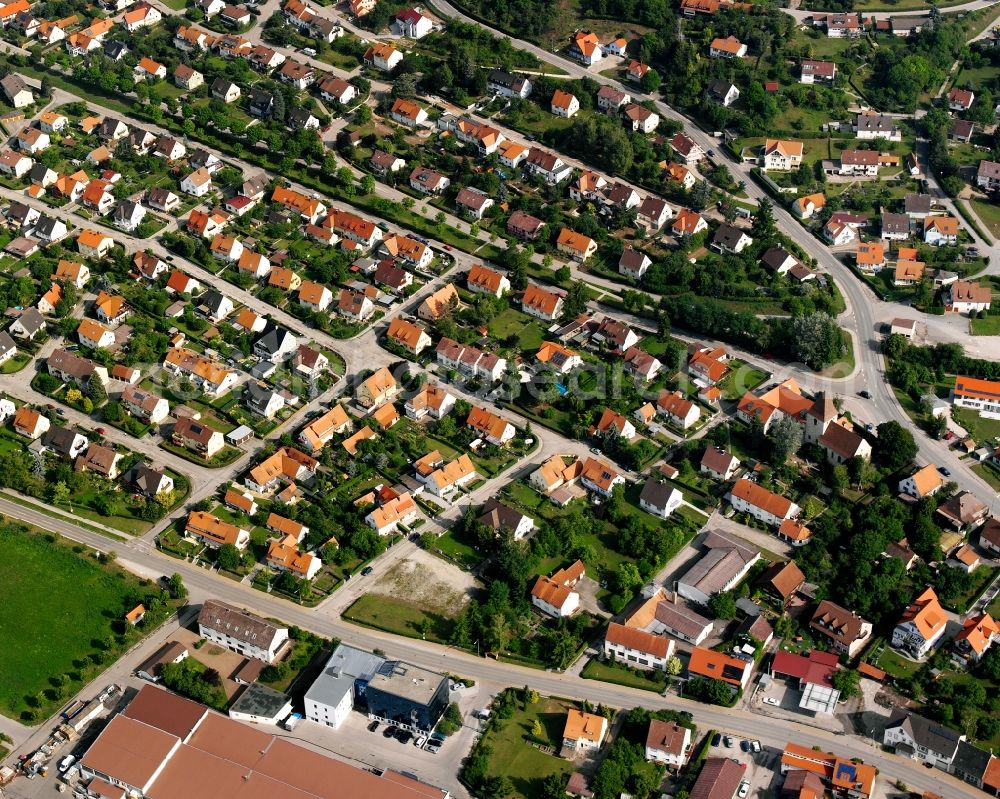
<point x="923" y="623"/>
<point x="554" y="595"/>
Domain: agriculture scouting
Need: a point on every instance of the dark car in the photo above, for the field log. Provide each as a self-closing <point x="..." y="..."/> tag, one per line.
<point x="366" y="571"/>
<point x="404" y="736"/>
<point x="373" y="726"/>
<point x="716" y="739"/>
<point x="745" y="746"/>
<point x="389" y="732"/>
<point x="865" y="393"/>
<point x="945" y="471"/>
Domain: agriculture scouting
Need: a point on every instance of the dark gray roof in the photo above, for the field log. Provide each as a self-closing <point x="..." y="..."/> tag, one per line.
<point x="213" y="300"/>
<point x="720" y="88"/>
<point x="37" y="173"/>
<point x="59" y="439"/>
<point x="259" y="700"/>
<point x="895" y="223"/>
<point x="498" y="516"/>
<point x="775" y="257"/>
<point x="31" y="321"/>
<point x="115" y="50"/>
<point x="656" y="493"/>
<point x="258" y="393"/>
<point x="727" y="236"/>
<point x="971" y="760"/>
<point x="143" y="478"/>
<point x="917" y="203"/>
<point x="928" y="734"/>
<point x="273" y="341"/>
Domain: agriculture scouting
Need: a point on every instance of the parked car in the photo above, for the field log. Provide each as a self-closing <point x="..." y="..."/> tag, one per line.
<point x="716" y="739"/>
<point x="745" y="746"/>
<point x="389" y="732"/>
<point x="366" y="571"/>
<point x="728" y="740"/>
<point x="421" y="740"/>
<point x="373" y="726"/>
<point x="755" y="746"/>
<point x="744" y="789"/>
<point x="769" y="700"/>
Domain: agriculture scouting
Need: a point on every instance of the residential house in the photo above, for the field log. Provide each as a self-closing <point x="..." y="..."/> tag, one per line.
<point x="100" y="460"/>
<point x="659" y="498"/>
<point x="925" y="482"/>
<point x="30" y="423"/>
<point x="870" y="125"/>
<point x="500" y="517"/>
<point x="677" y="409"/>
<point x="481" y="280"/>
<point x="667" y="743"/>
<point x="540" y="303"/>
<point x="779" y="155"/>
<point x="688" y="224"/>
<point x="492" y="428"/>
<point x="193" y="435"/>
<point x="633" y="263"/>
<point x="940" y="230"/>
<point x="844" y="630"/>
<point x="387" y="517"/>
<point x="410" y="337"/>
<point x="430" y="400"/>
<point x="584" y="731"/>
<point x="921" y="626"/>
<point x="600" y="477"/>
<point x="198" y="183"/>
<point x="554" y="595"/>
<point x="585" y="47"/>
<point x="719" y="464"/>
<point x="729" y="47"/>
<point x="712" y="665"/>
<point x="321" y="430"/>
<point x="383" y="56"/>
<point x="524" y="226"/>
<point x="722" y="92"/>
<point x="637" y="648"/>
<point x="378" y="389"/>
<point x="764" y="505"/>
<point x="817" y="72"/>
<point x="144" y="405"/>
<point x="428" y="181"/>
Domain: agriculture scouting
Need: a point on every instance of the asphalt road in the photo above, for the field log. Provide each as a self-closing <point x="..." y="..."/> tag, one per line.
<point x="773" y="733"/>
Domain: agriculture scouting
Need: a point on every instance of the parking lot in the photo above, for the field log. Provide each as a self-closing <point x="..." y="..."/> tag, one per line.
<point x="763" y="768"/>
<point x="356" y="744"/>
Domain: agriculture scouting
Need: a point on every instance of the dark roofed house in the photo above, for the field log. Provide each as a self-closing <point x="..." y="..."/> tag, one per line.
<point x="498" y="517"/>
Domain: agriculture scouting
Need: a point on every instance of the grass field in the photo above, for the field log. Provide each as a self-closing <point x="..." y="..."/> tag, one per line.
<point x="67" y="610"/>
<point x="400" y="618"/>
<point x="989" y="214"/>
<point x="896" y="664"/>
<point x="514" y="757"/>
<point x="990" y="326"/>
<point x="514" y="323"/>
<point x="984" y="431"/>
<point x="619" y="674"/>
<point x="991" y="474"/>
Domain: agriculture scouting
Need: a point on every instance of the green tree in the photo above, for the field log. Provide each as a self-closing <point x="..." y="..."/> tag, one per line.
<point x="95" y="389"/>
<point x="651" y="81"/>
<point x="229" y="557"/>
<point x="722" y="605"/>
<point x="674" y="666"/>
<point x="848" y="682"/>
<point x="894" y="446"/>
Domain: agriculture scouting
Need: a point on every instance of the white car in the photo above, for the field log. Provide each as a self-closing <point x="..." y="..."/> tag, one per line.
<point x="65" y="763"/>
<point x="421" y="740"/>
<point x="771" y="701"/>
<point x="744" y="789"/>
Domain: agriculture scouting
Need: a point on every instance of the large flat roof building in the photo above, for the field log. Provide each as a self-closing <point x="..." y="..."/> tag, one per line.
<point x="344" y="678"/>
<point x="407" y="695"/>
<point x="220" y="757"/>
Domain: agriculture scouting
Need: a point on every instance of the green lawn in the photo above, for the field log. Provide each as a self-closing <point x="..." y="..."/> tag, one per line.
<point x="619" y="674"/>
<point x="67" y="611"/>
<point x="457" y="550"/>
<point x="514" y="323"/>
<point x="740" y="380"/>
<point x="400" y="618"/>
<point x="989" y="214"/>
<point x="896" y="665"/>
<point x="990" y="326"/>
<point x="984" y="431"/>
<point x="990" y="473"/>
<point x="514" y="757"/>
